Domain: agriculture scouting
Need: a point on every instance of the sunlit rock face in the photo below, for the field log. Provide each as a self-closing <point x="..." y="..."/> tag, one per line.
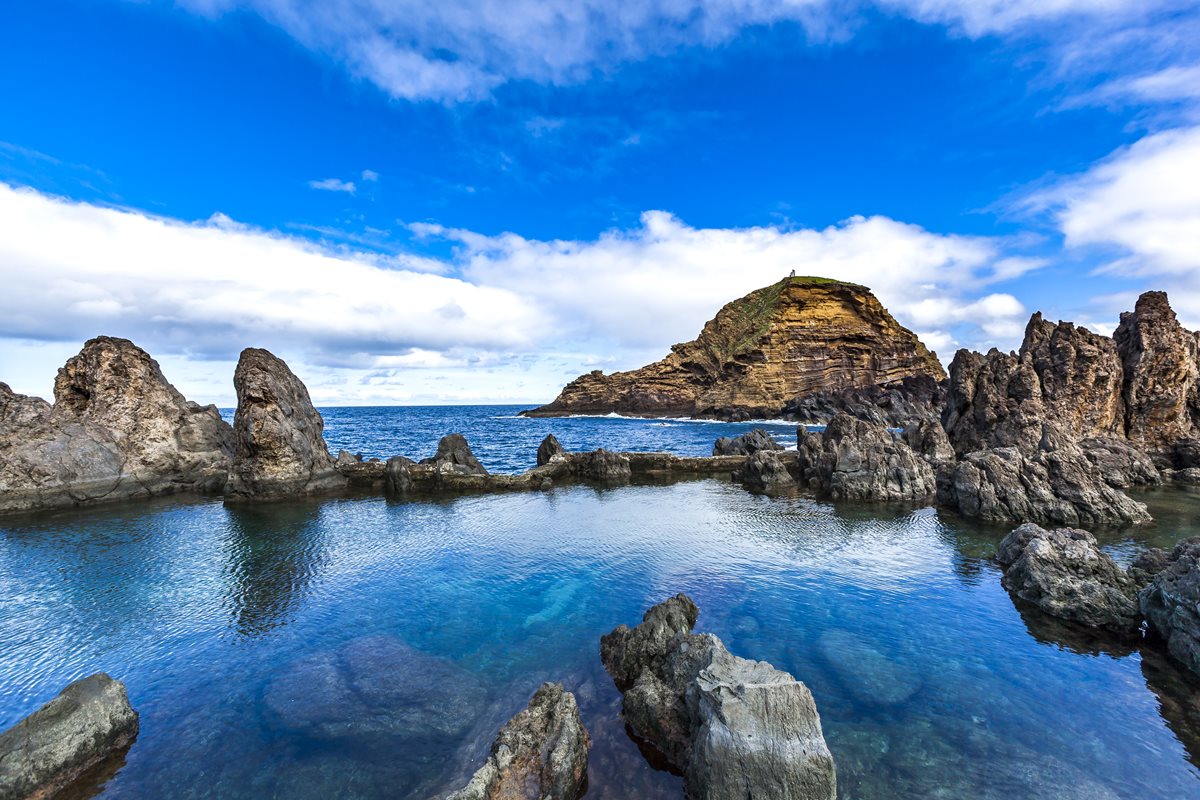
<point x="281" y="449"/>
<point x="117" y="430"/>
<point x="792" y="338"/>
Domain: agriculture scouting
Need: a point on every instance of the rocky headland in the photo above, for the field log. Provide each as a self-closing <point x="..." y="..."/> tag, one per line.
<point x="760" y="353"/>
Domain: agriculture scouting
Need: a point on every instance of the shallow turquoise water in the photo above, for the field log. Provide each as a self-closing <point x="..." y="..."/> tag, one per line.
<point x="227" y="623"/>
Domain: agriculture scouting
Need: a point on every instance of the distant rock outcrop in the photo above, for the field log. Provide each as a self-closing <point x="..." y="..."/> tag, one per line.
<point x="759" y="353"/>
<point x="747" y="444"/>
<point x="281" y="448"/>
<point x="540" y="754"/>
<point x="89" y="722"/>
<point x="855" y="460"/>
<point x="117" y="430"/>
<point x="735" y="728"/>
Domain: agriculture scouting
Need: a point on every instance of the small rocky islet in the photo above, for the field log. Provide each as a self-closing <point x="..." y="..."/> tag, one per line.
<point x="1051" y="435"/>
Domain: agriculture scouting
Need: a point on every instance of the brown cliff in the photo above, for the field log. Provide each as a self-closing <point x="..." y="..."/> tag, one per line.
<point x="758" y="353"/>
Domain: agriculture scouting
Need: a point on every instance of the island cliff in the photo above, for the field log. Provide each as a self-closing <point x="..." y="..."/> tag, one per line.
<point x="761" y="352"/>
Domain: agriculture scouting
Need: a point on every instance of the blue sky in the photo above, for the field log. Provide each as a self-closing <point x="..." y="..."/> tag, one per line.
<point x="475" y="202"/>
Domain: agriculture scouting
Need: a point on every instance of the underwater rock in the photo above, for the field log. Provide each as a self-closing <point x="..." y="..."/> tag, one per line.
<point x="1064" y="573"/>
<point x="454" y="455"/>
<point x="548" y="449"/>
<point x="281" y="449"/>
<point x="747" y="444"/>
<point x="867" y="673"/>
<point x="765" y="472"/>
<point x="117" y="430"/>
<point x="1171" y="603"/>
<point x="855" y="460"/>
<point x="735" y="728"/>
<point x="87" y="723"/>
<point x="540" y="754"/>
<point x="375" y="686"/>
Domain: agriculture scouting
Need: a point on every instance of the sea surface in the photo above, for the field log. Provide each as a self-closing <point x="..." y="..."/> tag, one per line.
<point x="370" y="648"/>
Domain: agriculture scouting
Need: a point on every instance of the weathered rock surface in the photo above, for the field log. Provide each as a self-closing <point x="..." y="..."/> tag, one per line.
<point x="747" y="444"/>
<point x="279" y="434"/>
<point x="1064" y="573"/>
<point x="548" y="449"/>
<point x="855" y="460"/>
<point x="603" y="466"/>
<point x="898" y="404"/>
<point x="765" y="472"/>
<point x="928" y="438"/>
<point x="735" y="728"/>
<point x="1120" y="464"/>
<point x="1171" y="603"/>
<point x="117" y="430"/>
<point x="89" y="722"/>
<point x="791" y="338"/>
<point x="398" y="474"/>
<point x="454" y="455"/>
<point x="375" y="686"/>
<point x="1055" y="484"/>
<point x="540" y="754"/>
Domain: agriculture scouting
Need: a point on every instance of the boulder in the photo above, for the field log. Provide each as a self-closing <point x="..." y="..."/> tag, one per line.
<point x="928" y="439"/>
<point x="454" y="455"/>
<point x="1120" y="464"/>
<point x="86" y="724"/>
<point x="603" y="466"/>
<point x="855" y="460"/>
<point x="735" y="728"/>
<point x="1149" y="563"/>
<point x="398" y="474"/>
<point x="540" y="754"/>
<point x="1055" y="484"/>
<point x="746" y="444"/>
<point x="1171" y="603"/>
<point x="765" y="472"/>
<point x="1064" y="573"/>
<point x="548" y="449"/>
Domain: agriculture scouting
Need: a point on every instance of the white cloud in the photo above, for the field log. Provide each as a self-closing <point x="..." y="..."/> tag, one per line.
<point x="333" y="185"/>
<point x="370" y="175"/>
<point x="463" y="50"/>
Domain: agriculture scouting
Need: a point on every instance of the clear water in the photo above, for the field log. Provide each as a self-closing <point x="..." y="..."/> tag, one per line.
<point x="238" y="630"/>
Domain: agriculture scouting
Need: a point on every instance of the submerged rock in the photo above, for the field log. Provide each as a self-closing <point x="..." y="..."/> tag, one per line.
<point x="735" y="728"/>
<point x="548" y="449"/>
<point x="540" y="754"/>
<point x="1171" y="603"/>
<point x="89" y="722"/>
<point x="747" y="444"/>
<point x="117" y="430"/>
<point x="855" y="460"/>
<point x="869" y="674"/>
<point x="765" y="472"/>
<point x="280" y="443"/>
<point x="454" y="455"/>
<point x="1064" y="573"/>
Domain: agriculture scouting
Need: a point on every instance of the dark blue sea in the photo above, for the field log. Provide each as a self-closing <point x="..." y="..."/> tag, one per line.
<point x="370" y="648"/>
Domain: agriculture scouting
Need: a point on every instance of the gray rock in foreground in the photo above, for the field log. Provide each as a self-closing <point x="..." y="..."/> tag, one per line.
<point x="765" y="472"/>
<point x="87" y="723"/>
<point x="281" y="448"/>
<point x="540" y="754"/>
<point x="1064" y="573"/>
<point x="856" y="460"/>
<point x="736" y="728"/>
<point x="747" y="444"/>
<point x="1171" y="603"/>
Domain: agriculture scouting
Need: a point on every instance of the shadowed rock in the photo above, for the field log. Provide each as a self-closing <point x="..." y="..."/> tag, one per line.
<point x="1171" y="603"/>
<point x="747" y="444"/>
<point x="454" y="455"/>
<point x="1120" y="464"/>
<point x="548" y="449"/>
<point x="1064" y="573"/>
<point x="85" y="725"/>
<point x="281" y="448"/>
<point x="540" y="754"/>
<point x="765" y="472"/>
<point x="117" y="430"/>
<point x="734" y="728"/>
<point x="928" y="439"/>
<point x="855" y="460"/>
<point x="398" y="474"/>
<point x="897" y="404"/>
<point x="603" y="466"/>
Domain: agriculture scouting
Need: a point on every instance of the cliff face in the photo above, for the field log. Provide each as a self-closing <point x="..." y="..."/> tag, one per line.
<point x="758" y="353"/>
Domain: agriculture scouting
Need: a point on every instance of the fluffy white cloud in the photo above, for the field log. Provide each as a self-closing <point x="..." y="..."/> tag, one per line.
<point x="454" y="51"/>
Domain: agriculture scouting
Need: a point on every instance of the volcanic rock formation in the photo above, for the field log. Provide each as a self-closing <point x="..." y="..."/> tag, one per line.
<point x="1171" y="603"/>
<point x="117" y="430"/>
<point x="855" y="460"/>
<point x="791" y="338"/>
<point x="279" y="434"/>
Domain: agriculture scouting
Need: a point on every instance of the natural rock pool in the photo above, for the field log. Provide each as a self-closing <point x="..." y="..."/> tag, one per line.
<point x="370" y="648"/>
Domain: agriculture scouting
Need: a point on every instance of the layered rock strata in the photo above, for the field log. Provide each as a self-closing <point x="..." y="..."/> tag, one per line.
<point x="540" y="754"/>
<point x="117" y="430"/>
<point x="734" y="728"/>
<point x="88" y="723"/>
<point x="760" y="352"/>
<point x="280" y="446"/>
<point x="855" y="460"/>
